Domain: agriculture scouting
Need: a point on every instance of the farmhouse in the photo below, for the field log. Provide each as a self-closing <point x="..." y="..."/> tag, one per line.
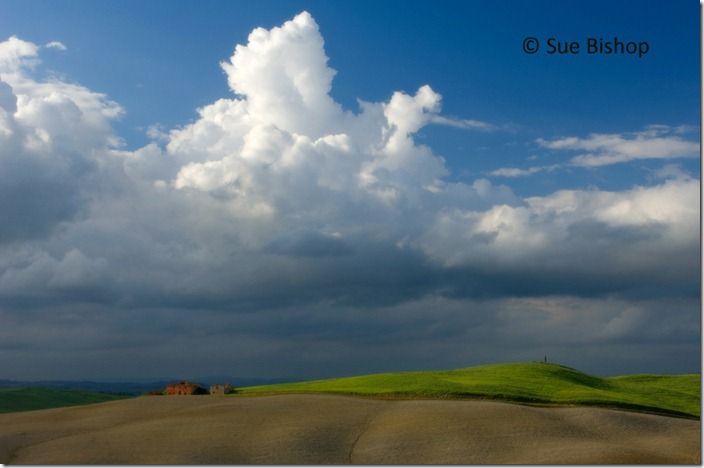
<point x="185" y="388"/>
<point x="221" y="389"/>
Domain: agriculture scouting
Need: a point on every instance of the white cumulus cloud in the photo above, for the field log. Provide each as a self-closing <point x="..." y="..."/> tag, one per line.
<point x="655" y="142"/>
<point x="55" y="45"/>
<point x="277" y="194"/>
<point x="52" y="135"/>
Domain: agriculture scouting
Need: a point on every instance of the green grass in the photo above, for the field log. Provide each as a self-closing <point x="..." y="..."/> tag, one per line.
<point x="535" y="383"/>
<point x="27" y="399"/>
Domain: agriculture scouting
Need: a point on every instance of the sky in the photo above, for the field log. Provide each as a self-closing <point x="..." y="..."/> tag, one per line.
<point x="309" y="189"/>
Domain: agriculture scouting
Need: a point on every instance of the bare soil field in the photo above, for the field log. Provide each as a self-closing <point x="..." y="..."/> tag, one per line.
<point x="322" y="429"/>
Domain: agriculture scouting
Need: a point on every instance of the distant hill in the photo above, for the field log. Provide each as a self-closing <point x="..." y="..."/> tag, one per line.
<point x="133" y="388"/>
<point x="129" y="388"/>
<point x="26" y="399"/>
<point x="535" y="383"/>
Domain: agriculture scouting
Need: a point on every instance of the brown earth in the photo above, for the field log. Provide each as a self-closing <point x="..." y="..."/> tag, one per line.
<point x="317" y="429"/>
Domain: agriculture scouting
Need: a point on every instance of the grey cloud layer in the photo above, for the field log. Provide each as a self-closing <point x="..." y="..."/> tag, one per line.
<point x="606" y="335"/>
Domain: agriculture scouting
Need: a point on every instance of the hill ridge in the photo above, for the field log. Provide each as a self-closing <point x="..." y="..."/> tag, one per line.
<point x="523" y="382"/>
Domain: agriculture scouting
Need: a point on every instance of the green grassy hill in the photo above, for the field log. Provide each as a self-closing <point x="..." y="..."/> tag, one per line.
<point x="536" y="383"/>
<point x="26" y="399"/>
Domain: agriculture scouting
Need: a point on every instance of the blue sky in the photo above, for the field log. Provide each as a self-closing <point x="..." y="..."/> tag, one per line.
<point x="545" y="204"/>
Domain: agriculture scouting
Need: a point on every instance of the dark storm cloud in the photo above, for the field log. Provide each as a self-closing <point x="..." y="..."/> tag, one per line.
<point x="599" y="335"/>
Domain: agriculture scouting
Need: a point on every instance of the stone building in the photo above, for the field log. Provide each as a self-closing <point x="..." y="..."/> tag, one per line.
<point x="185" y="388"/>
<point x="221" y="389"/>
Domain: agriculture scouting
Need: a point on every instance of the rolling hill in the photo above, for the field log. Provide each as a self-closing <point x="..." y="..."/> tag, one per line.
<point x="534" y="383"/>
<point x="337" y="429"/>
<point x="27" y="399"/>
